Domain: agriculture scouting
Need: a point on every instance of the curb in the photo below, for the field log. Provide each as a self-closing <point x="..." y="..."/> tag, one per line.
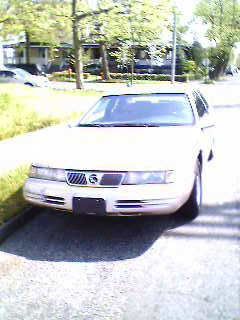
<point x="18" y="221"/>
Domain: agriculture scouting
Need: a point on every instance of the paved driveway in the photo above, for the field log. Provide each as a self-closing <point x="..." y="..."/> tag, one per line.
<point x="164" y="268"/>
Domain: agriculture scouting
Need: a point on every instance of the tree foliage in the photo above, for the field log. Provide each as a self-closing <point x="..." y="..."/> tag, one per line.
<point x="223" y="20"/>
<point x="43" y="20"/>
<point x="134" y="23"/>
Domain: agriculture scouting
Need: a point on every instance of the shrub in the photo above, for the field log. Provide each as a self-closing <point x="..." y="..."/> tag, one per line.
<point x="65" y="76"/>
<point x="147" y="76"/>
<point x="190" y="66"/>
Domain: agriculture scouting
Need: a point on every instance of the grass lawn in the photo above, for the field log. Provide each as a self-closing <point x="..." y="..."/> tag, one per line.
<point x="11" y="199"/>
<point x="24" y="109"/>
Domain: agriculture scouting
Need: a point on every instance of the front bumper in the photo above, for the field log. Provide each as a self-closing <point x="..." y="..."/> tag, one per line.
<point x="124" y="200"/>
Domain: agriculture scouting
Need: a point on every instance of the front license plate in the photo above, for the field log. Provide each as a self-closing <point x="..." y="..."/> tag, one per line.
<point x="89" y="205"/>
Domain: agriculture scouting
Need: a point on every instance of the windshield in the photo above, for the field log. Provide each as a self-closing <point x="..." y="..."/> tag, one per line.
<point x="140" y="110"/>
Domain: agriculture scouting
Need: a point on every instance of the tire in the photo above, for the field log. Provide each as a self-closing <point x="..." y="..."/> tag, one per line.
<point x="211" y="155"/>
<point x="191" y="208"/>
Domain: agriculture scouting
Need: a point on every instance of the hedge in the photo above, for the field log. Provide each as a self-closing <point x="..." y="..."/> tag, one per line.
<point x="154" y="77"/>
<point x="64" y="76"/>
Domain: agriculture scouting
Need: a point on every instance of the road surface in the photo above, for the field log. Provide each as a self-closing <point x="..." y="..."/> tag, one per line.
<point x="85" y="268"/>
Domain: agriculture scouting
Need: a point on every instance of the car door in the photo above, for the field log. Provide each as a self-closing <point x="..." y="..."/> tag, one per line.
<point x="207" y="124"/>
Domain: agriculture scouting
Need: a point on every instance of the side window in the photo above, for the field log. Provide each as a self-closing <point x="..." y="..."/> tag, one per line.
<point x="201" y="108"/>
<point x="9" y="74"/>
<point x="2" y="74"/>
<point x="204" y="100"/>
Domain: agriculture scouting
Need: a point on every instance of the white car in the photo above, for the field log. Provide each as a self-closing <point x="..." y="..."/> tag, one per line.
<point x="21" y="76"/>
<point x="134" y="153"/>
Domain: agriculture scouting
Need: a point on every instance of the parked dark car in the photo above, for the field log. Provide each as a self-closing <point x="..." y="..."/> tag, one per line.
<point x="32" y="68"/>
<point x="93" y="68"/>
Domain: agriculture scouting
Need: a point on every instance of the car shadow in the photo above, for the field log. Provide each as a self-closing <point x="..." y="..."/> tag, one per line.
<point x="55" y="236"/>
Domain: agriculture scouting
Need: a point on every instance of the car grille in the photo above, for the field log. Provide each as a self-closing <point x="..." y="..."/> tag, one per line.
<point x="76" y="178"/>
<point x="94" y="179"/>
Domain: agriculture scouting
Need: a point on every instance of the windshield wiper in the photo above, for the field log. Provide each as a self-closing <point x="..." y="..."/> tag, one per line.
<point x="91" y="125"/>
<point x="125" y="124"/>
<point x="145" y="124"/>
<point x="102" y="125"/>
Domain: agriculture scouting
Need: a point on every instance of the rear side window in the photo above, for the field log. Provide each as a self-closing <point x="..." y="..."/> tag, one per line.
<point x="9" y="74"/>
<point x="6" y="74"/>
<point x="201" y="108"/>
<point x="204" y="100"/>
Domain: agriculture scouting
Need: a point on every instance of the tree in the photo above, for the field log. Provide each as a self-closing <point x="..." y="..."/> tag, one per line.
<point x="145" y="22"/>
<point x="223" y="20"/>
<point x="198" y="53"/>
<point x="81" y="17"/>
<point x="122" y="23"/>
<point x="128" y="25"/>
<point x="4" y="12"/>
<point x="41" y="21"/>
<point x="99" y="30"/>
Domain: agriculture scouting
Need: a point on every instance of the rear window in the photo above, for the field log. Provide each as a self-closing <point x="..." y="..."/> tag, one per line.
<point x="142" y="109"/>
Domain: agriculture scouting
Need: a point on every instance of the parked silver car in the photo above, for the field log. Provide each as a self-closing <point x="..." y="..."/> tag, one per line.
<point x="22" y="76"/>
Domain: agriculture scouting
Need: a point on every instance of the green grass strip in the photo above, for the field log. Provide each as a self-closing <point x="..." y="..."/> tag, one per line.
<point x="11" y="198"/>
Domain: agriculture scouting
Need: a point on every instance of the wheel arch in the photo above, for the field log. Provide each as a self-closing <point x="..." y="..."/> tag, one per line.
<point x="28" y="84"/>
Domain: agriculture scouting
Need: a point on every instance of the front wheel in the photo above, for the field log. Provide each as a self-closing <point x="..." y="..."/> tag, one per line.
<point x="192" y="207"/>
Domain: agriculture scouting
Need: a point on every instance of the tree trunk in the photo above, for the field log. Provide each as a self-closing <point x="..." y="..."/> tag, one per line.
<point x="28" y="43"/>
<point x="103" y="52"/>
<point x="77" y="48"/>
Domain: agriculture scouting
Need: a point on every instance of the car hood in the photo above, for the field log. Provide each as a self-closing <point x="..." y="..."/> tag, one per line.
<point x="121" y="149"/>
<point x="38" y="80"/>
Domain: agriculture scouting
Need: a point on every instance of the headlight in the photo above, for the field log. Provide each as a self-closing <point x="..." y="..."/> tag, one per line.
<point x="47" y="173"/>
<point x="151" y="177"/>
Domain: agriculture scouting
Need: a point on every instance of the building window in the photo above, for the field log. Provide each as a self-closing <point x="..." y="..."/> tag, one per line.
<point x="41" y="52"/>
<point x="19" y="52"/>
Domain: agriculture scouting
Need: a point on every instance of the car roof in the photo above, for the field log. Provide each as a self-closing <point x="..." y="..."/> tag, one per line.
<point x="19" y="69"/>
<point x="162" y="89"/>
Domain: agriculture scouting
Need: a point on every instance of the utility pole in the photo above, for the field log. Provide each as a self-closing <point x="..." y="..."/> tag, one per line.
<point x="174" y="45"/>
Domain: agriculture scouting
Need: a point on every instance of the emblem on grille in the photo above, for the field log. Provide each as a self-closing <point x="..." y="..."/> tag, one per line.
<point x="93" y="179"/>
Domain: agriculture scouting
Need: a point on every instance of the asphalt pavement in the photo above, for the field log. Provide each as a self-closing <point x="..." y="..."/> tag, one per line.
<point x="164" y="268"/>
